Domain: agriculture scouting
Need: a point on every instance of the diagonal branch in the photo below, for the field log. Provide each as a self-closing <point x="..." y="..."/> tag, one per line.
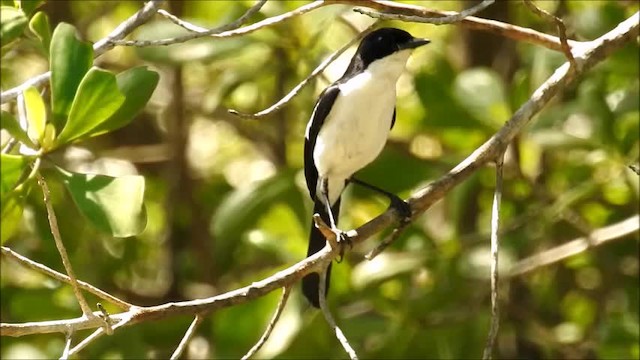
<point x="286" y="291"/>
<point x="562" y="30"/>
<point x="323" y="65"/>
<point x="53" y="224"/>
<point x="62" y="277"/>
<point x="596" y="238"/>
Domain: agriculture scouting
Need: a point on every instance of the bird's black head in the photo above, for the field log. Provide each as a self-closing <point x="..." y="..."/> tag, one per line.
<point x="381" y="43"/>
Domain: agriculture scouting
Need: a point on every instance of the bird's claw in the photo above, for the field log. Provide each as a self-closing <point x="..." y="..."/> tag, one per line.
<point x="343" y="240"/>
<point x="402" y="207"/>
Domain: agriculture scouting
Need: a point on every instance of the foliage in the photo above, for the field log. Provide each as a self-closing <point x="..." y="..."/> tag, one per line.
<point x="180" y="199"/>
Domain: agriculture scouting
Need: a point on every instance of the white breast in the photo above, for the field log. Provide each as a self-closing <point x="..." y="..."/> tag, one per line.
<point x="355" y="131"/>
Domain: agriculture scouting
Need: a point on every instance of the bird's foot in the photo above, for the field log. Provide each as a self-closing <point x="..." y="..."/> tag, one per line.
<point x="343" y="240"/>
<point x="402" y="207"/>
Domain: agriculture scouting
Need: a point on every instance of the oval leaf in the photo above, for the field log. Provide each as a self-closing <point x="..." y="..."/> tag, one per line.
<point x="70" y="60"/>
<point x="36" y="114"/>
<point x="12" y="24"/>
<point x="10" y="123"/>
<point x="97" y="99"/>
<point x="137" y="86"/>
<point x="112" y="204"/>
<point x="39" y="25"/>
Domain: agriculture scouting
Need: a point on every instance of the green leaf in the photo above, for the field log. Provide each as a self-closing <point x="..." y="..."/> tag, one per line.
<point x="10" y="215"/>
<point x="36" y="114"/>
<point x="137" y="86"/>
<point x="70" y="60"/>
<point x="10" y="124"/>
<point x="112" y="204"/>
<point x="97" y="99"/>
<point x="12" y="24"/>
<point x="28" y="6"/>
<point x="481" y="93"/>
<point x="39" y="25"/>
<point x="12" y="168"/>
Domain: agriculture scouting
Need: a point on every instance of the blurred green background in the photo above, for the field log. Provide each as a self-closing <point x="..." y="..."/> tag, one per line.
<point x="227" y="204"/>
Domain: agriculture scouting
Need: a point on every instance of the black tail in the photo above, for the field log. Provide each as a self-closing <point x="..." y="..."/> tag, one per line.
<point x="311" y="282"/>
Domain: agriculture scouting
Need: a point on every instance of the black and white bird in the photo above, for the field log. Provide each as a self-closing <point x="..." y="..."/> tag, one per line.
<point x="348" y="129"/>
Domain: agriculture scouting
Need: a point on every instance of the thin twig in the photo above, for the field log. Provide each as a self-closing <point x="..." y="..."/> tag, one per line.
<point x="55" y="231"/>
<point x="562" y="30"/>
<point x="204" y="31"/>
<point x="62" y="277"/>
<point x="441" y="20"/>
<point x="323" y="65"/>
<point x="395" y="234"/>
<point x="495" y="247"/>
<point x="330" y="320"/>
<point x="67" y="345"/>
<point x="596" y="238"/>
<point x="187" y="337"/>
<point x="183" y="24"/>
<point x="99" y="48"/>
<point x="225" y="31"/>
<point x="99" y="332"/>
<point x="286" y="291"/>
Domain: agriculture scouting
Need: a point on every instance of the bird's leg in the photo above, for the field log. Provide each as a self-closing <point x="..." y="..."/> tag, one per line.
<point x="402" y="207"/>
<point x="341" y="236"/>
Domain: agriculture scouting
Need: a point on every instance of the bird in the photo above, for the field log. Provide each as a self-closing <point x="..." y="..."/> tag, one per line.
<point x="348" y="129"/>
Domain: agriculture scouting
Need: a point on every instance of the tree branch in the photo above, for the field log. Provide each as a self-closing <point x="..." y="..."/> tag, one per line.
<point x="286" y="291"/>
<point x="439" y="20"/>
<point x="187" y="336"/>
<point x="63" y="278"/>
<point x="596" y="238"/>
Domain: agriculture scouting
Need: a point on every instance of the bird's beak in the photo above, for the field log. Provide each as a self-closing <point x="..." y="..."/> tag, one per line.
<point x="414" y="43"/>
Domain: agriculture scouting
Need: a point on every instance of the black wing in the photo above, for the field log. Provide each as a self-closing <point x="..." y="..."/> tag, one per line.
<point x="320" y="113"/>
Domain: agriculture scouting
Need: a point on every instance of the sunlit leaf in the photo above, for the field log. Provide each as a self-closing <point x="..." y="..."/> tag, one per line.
<point x="12" y="24"/>
<point x="97" y="99"/>
<point x="36" y="114"/>
<point x="39" y="25"/>
<point x="137" y="86"/>
<point x="70" y="60"/>
<point x="113" y="205"/>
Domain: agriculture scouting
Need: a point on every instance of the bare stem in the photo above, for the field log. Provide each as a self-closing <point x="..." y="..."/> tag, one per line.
<point x="329" y="318"/>
<point x="187" y="337"/>
<point x="318" y="70"/>
<point x="55" y="231"/>
<point x="62" y="277"/>
<point x="495" y="247"/>
<point x="286" y="291"/>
